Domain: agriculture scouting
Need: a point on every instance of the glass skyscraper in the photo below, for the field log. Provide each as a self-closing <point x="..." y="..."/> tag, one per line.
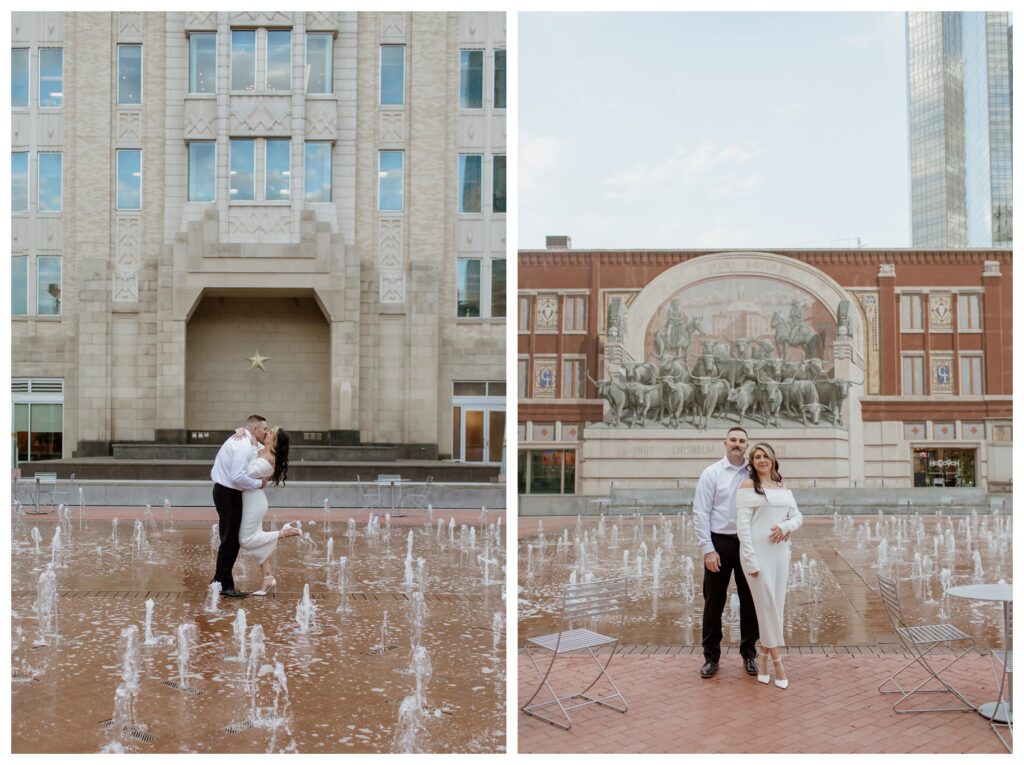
<point x="959" y="75"/>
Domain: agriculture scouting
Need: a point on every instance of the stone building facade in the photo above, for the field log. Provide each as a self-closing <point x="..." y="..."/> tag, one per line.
<point x="206" y="190"/>
<point x="924" y="337"/>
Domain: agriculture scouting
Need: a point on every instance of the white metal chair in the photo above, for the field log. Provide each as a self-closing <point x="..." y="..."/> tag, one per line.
<point x="582" y="603"/>
<point x="919" y="642"/>
<point x="1002" y="669"/>
<point x="416" y="498"/>
<point x="370" y="496"/>
<point x="46" y="485"/>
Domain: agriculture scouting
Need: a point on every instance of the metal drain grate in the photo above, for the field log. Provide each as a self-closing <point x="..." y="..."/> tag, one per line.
<point x="239" y="727"/>
<point x="134" y="731"/>
<point x="185" y="688"/>
<point x="378" y="650"/>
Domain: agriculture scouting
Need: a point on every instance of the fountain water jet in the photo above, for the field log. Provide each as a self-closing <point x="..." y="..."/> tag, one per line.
<point x="46" y="607"/>
<point x="305" y="612"/>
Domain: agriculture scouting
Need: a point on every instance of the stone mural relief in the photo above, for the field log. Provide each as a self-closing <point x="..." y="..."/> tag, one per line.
<point x="50" y="234"/>
<point x="50" y="131"/>
<point x="940" y="312"/>
<point x="260" y="19"/>
<point x="19" y="235"/>
<point x="734" y="350"/>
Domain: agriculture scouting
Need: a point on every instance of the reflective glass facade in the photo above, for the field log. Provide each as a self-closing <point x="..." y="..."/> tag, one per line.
<point x="958" y="69"/>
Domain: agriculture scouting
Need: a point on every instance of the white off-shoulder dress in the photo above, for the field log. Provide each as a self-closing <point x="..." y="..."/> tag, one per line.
<point x="251" y="536"/>
<point x="755" y="516"/>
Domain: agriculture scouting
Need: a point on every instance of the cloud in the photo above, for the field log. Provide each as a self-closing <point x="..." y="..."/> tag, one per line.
<point x="684" y="167"/>
<point x="537" y="156"/>
<point x="736" y="185"/>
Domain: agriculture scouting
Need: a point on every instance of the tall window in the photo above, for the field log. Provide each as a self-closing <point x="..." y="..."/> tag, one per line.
<point x="318" y="171"/>
<point x="19" y="78"/>
<point x="51" y="181"/>
<point x="469" y="182"/>
<point x="319" y="62"/>
<point x="499" y="79"/>
<point x="524" y="313"/>
<point x="242" y="185"/>
<point x="243" y="59"/>
<point x="202" y="62"/>
<point x="19" y="181"/>
<point x="391" y="180"/>
<point x="38" y="418"/>
<point x="574" y="318"/>
<point x="129" y="179"/>
<point x="468" y="288"/>
<point x="279" y="59"/>
<point x="498" y="184"/>
<point x="572" y="378"/>
<point x="913" y="375"/>
<point x="129" y="74"/>
<point x="471" y="79"/>
<point x="969" y="311"/>
<point x="202" y="157"/>
<point x="48" y="285"/>
<point x="498" y="287"/>
<point x="910" y="312"/>
<point x="392" y="75"/>
<point x="51" y="77"/>
<point x="19" y="285"/>
<point x="278" y="169"/>
<point x="970" y="376"/>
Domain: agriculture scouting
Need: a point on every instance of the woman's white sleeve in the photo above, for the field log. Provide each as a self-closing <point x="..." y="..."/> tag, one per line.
<point x="748" y="558"/>
<point x="794" y="520"/>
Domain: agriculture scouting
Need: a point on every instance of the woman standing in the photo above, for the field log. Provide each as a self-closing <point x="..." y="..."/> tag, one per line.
<point x="766" y="514"/>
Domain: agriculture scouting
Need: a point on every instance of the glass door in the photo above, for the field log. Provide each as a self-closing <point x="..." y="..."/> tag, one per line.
<point x="474" y="439"/>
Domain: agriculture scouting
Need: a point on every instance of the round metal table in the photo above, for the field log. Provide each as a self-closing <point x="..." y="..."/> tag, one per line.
<point x="1001" y="712"/>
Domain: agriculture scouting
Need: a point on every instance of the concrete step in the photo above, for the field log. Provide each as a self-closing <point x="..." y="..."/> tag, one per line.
<point x="208" y="452"/>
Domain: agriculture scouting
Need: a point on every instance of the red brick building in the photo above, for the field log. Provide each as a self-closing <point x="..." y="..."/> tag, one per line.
<point x="932" y="331"/>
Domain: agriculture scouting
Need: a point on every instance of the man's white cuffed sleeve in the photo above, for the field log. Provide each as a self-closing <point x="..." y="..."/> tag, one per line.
<point x="703" y="498"/>
<point x="241" y="455"/>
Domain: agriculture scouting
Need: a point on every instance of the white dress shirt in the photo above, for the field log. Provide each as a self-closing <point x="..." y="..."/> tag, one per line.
<point x="233" y="459"/>
<point x="714" y="501"/>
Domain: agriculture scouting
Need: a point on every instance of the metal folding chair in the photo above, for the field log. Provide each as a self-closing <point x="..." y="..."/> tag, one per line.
<point x="1002" y="669"/>
<point x="919" y="642"/>
<point x="587" y="604"/>
<point x="416" y="498"/>
<point x="370" y="496"/>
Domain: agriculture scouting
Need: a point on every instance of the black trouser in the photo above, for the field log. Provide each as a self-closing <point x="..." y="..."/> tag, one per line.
<point x="715" y="585"/>
<point x="229" y="512"/>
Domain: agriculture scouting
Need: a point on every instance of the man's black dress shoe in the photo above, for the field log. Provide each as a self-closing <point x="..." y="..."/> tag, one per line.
<point x="750" y="665"/>
<point x="709" y="669"/>
<point x="234" y="594"/>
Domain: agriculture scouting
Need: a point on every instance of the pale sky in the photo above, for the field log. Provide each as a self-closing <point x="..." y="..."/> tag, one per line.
<point x="713" y="130"/>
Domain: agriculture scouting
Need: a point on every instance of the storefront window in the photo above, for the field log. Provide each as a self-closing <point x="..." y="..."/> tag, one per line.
<point x="547" y="471"/>
<point x="944" y="467"/>
<point x="39" y="430"/>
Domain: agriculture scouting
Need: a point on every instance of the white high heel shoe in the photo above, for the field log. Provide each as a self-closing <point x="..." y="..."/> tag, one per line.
<point x="267" y="588"/>
<point x="783" y="684"/>
<point x="763" y="677"/>
<point x="295" y="526"/>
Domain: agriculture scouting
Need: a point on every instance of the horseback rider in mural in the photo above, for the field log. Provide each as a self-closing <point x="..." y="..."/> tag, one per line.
<point x="794" y="332"/>
<point x="676" y="336"/>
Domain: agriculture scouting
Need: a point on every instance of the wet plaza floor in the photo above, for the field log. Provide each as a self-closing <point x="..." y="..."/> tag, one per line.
<point x="341" y="681"/>
<point x="832" y="598"/>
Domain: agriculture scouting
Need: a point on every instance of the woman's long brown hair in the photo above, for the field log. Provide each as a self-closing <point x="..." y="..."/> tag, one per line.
<point x="755" y="476"/>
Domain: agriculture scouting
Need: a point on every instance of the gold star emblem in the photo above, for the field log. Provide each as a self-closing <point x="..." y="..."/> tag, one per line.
<point x="257" y="361"/>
